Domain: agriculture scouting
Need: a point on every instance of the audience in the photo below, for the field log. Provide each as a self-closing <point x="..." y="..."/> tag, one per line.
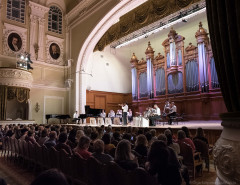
<point x="141" y="145"/>
<point x="82" y="148"/>
<point x="200" y="135"/>
<point x="51" y="177"/>
<point x="107" y="143"/>
<point x="52" y="139"/>
<point x="98" y="147"/>
<point x="124" y="156"/>
<point x="62" y="143"/>
<point x="158" y="164"/>
<point x="43" y="138"/>
<point x="183" y="139"/>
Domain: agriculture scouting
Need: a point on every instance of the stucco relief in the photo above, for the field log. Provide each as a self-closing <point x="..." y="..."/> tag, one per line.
<point x="10" y="30"/>
<point x="15" y="77"/>
<point x="227" y="160"/>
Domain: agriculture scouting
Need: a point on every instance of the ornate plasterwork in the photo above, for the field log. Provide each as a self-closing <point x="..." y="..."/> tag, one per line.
<point x="22" y="32"/>
<point x="15" y="77"/>
<point x="38" y="10"/>
<point x="50" y="40"/>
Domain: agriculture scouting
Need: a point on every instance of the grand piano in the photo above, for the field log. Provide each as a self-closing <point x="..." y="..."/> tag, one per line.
<point x="89" y="112"/>
<point x="58" y="116"/>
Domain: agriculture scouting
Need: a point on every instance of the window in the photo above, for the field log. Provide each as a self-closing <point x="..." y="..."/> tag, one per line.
<point x="55" y="20"/>
<point x="16" y="10"/>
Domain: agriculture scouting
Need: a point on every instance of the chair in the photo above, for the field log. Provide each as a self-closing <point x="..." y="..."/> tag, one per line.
<point x="45" y="157"/>
<point x="108" y="121"/>
<point x="4" y="146"/>
<point x="141" y="177"/>
<point x="39" y="156"/>
<point x="116" y="121"/>
<point x="117" y="175"/>
<point x="100" y="121"/>
<point x="190" y="159"/>
<point x="65" y="160"/>
<point x="95" y="172"/>
<point x="93" y="121"/>
<point x="54" y="156"/>
<point x="203" y="148"/>
<point x="78" y="168"/>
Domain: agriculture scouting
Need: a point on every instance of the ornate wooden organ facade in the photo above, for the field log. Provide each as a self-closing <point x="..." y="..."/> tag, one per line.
<point x="186" y="76"/>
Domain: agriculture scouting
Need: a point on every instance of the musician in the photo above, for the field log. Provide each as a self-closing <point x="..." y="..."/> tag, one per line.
<point x="173" y="112"/>
<point x="103" y="114"/>
<point x="111" y="115"/>
<point x="125" y="110"/>
<point x="119" y="115"/>
<point x="75" y="116"/>
<point x="130" y="116"/>
<point x="156" y="114"/>
<point x="166" y="108"/>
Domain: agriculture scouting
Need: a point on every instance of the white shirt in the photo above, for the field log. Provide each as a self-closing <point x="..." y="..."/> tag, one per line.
<point x="75" y="115"/>
<point x="158" y="112"/>
<point x="125" y="108"/>
<point x="174" y="109"/>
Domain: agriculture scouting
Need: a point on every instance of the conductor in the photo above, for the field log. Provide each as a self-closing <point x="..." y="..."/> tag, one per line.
<point x="125" y="110"/>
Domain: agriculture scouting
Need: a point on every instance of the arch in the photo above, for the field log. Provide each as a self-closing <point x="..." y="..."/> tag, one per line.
<point x="120" y="9"/>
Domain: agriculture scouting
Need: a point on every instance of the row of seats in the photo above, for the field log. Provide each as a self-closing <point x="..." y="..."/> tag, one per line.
<point x="88" y="171"/>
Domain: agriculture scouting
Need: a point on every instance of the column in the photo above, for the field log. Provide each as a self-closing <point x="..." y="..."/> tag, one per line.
<point x="41" y="40"/>
<point x="34" y="36"/>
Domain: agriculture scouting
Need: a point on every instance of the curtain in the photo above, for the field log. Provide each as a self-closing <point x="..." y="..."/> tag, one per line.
<point x="192" y="82"/>
<point x="203" y="67"/>
<point x="172" y="53"/>
<point x="134" y="84"/>
<point x="160" y="82"/>
<point x="143" y="90"/>
<point x="150" y="78"/>
<point x="168" y="60"/>
<point x="3" y="102"/>
<point x="179" y="57"/>
<point x="224" y="27"/>
<point x="175" y="83"/>
<point x="214" y="77"/>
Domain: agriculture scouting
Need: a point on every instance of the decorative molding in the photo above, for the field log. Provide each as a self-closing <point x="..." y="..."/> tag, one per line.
<point x="50" y="40"/>
<point x="47" y="87"/>
<point x="149" y="15"/>
<point x="38" y="10"/>
<point x="9" y="29"/>
<point x="15" y="77"/>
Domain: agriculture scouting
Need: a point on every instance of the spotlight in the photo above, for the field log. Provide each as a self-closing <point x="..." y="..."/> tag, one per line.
<point x="22" y="57"/>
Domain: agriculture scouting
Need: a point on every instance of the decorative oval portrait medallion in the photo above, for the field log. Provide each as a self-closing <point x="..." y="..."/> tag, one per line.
<point x="14" y="42"/>
<point x="54" y="51"/>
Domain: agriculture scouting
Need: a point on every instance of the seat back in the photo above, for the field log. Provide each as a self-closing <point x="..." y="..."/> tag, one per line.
<point x="187" y="153"/>
<point x="117" y="175"/>
<point x="79" y="167"/>
<point x="64" y="161"/>
<point x="95" y="172"/>
<point x="45" y="157"/>
<point x="202" y="147"/>
<point x="54" y="158"/>
<point x="108" y="121"/>
<point x="140" y="176"/>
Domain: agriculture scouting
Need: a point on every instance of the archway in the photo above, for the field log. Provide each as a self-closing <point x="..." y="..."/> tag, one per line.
<point x="120" y="9"/>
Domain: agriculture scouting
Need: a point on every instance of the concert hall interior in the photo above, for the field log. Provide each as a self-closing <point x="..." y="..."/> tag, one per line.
<point x="83" y="80"/>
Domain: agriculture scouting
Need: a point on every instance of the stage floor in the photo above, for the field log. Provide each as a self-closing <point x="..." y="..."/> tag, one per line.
<point x="208" y="125"/>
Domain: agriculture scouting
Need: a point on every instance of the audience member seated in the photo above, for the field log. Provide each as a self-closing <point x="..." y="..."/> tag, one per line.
<point x="170" y="143"/>
<point x="149" y="138"/>
<point x="62" y="143"/>
<point x="43" y="137"/>
<point x="72" y="142"/>
<point x="158" y="164"/>
<point x="107" y="143"/>
<point x="182" y="138"/>
<point x="124" y="157"/>
<point x="141" y="145"/>
<point x="187" y="132"/>
<point x="94" y="136"/>
<point x="82" y="148"/>
<point x="98" y="147"/>
<point x="52" y="139"/>
<point x="79" y="134"/>
<point x="50" y="177"/>
<point x="116" y="138"/>
<point x="200" y="135"/>
<point x="24" y="133"/>
<point x="30" y="137"/>
<point x="173" y="158"/>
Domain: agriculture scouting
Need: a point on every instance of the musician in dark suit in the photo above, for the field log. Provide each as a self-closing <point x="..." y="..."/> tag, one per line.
<point x="155" y="114"/>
